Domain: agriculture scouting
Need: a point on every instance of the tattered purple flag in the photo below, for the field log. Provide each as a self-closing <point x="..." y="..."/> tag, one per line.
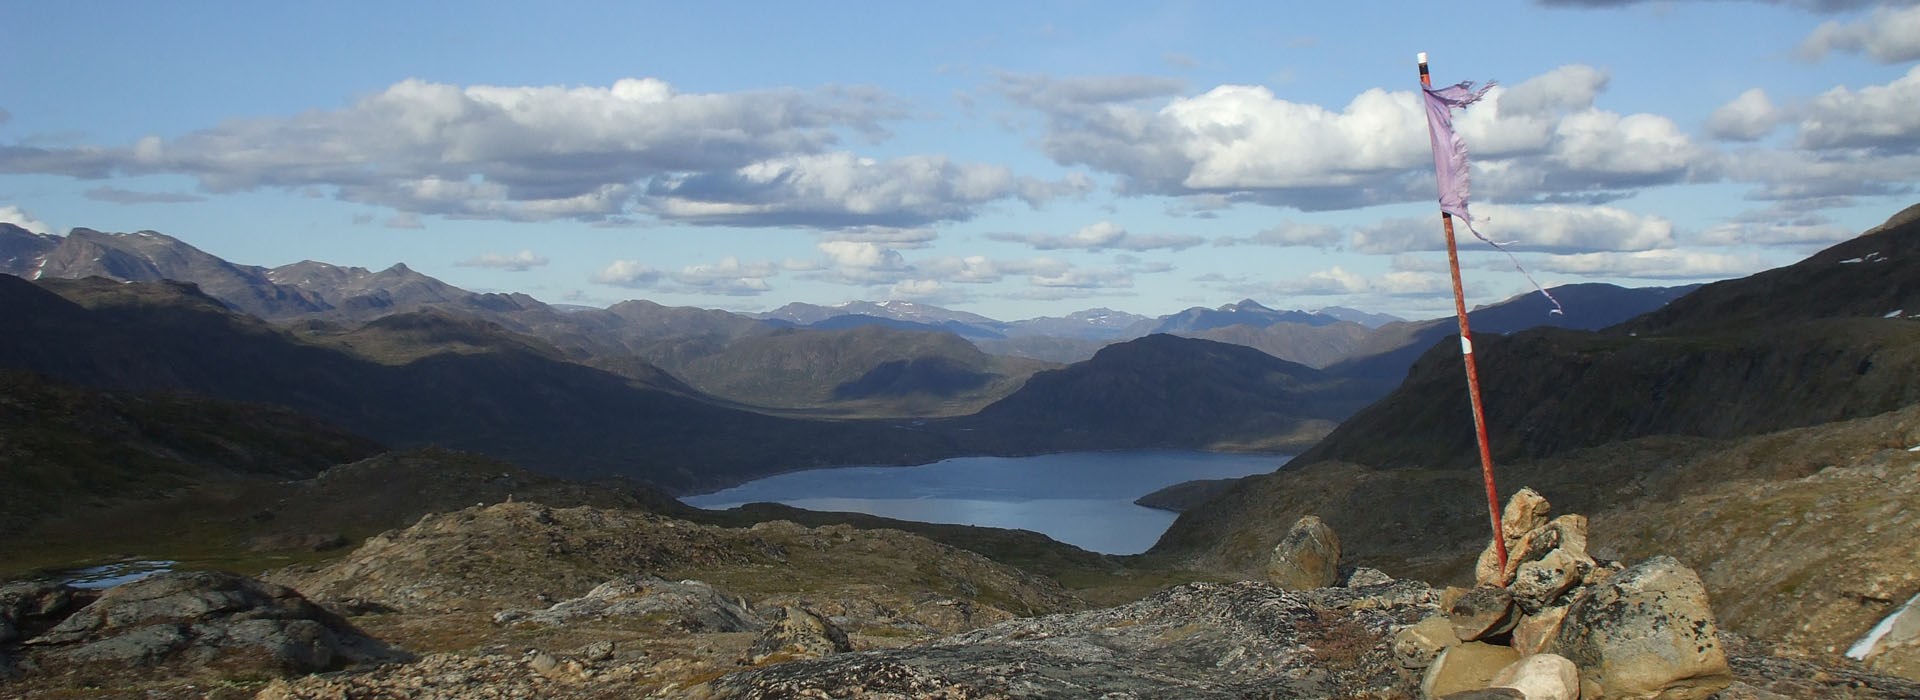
<point x="1449" y="151"/>
<point x="1450" y="162"/>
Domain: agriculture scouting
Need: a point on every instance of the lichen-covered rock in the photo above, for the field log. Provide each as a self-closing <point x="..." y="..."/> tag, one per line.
<point x="1465" y="666"/>
<point x="209" y="618"/>
<point x="691" y="606"/>
<point x="1540" y="677"/>
<point x="1308" y="557"/>
<point x="798" y="634"/>
<point x="1538" y="584"/>
<point x="1647" y="632"/>
<point x="1193" y="641"/>
<point x="1364" y="576"/>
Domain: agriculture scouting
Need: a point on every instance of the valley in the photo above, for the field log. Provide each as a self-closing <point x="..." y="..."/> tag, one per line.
<point x="426" y="459"/>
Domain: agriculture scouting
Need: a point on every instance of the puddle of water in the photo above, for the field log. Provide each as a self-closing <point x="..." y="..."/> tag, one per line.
<point x="114" y="574"/>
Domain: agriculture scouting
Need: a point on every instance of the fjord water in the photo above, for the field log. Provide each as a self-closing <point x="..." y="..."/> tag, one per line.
<point x="1081" y="498"/>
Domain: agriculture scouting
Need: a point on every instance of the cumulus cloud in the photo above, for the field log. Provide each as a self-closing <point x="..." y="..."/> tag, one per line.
<point x="1289" y="234"/>
<point x="1652" y="264"/>
<point x="13" y="214"/>
<point x="767" y="157"/>
<point x="842" y="190"/>
<point x="1746" y="118"/>
<point x="1877" y="116"/>
<point x="120" y="196"/>
<point x="1104" y="235"/>
<point x="1890" y="35"/>
<point x="1541" y="139"/>
<point x="899" y="238"/>
<point x="513" y="262"/>
<point x="1547" y="228"/>
<point x="729" y="277"/>
<point x="1801" y="174"/>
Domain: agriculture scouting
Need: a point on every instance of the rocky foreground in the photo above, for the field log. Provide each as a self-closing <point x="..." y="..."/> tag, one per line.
<point x="519" y="600"/>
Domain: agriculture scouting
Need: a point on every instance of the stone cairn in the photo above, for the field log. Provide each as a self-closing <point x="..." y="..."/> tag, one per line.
<point x="1553" y="624"/>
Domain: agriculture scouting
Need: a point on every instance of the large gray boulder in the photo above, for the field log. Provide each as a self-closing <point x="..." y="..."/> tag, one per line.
<point x="209" y="618"/>
<point x="1646" y="632"/>
<point x="1308" y="557"/>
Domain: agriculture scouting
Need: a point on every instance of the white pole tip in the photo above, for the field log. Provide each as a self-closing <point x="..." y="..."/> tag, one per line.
<point x="1423" y="57"/>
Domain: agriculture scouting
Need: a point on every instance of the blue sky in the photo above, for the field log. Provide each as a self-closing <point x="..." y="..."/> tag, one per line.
<point x="1011" y="159"/>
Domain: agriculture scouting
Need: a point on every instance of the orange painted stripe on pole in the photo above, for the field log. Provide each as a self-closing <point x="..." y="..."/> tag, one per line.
<point x="1473" y="375"/>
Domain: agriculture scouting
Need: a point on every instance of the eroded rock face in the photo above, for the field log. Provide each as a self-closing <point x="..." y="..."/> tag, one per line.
<point x="1468" y="666"/>
<point x="28" y="605"/>
<point x="1192" y="641"/>
<point x="1646" y="632"/>
<point x="208" y="619"/>
<point x="1308" y="557"/>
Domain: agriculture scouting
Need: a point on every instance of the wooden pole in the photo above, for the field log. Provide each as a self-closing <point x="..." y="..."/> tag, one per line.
<point x="1473" y="374"/>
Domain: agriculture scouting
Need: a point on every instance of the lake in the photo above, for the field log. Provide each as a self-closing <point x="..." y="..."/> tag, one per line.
<point x="1081" y="498"/>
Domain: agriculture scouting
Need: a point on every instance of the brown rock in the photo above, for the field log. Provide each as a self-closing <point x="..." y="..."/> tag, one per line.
<point x="1482" y="613"/>
<point x="1485" y="694"/>
<point x="1530" y="635"/>
<point x="1416" y="645"/>
<point x="1464" y="667"/>
<point x="1308" y="557"/>
<point x="1647" y="632"/>
<point x="1541" y="677"/>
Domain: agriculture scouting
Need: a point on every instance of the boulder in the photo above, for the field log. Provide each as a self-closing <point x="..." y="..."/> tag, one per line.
<point x="1415" y="646"/>
<point x="1483" y="612"/>
<point x="209" y="618"/>
<point x="1541" y="677"/>
<point x="1646" y="632"/>
<point x="1308" y="557"/>
<point x="687" y="606"/>
<point x="1525" y="511"/>
<point x="1463" y="667"/>
<point x="798" y="634"/>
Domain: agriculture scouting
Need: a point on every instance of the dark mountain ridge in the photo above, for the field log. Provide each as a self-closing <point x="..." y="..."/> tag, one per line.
<point x="503" y="398"/>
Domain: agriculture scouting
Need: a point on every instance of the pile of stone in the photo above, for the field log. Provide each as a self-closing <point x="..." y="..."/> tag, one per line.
<point x="1556" y="623"/>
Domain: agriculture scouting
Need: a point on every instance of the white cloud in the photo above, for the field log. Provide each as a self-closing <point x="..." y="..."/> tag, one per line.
<point x="1288" y="234"/>
<point x="1104" y="235"/>
<point x="899" y="238"/>
<point x="838" y="190"/>
<point x="1550" y="228"/>
<point x="1891" y="35"/>
<point x="1652" y="264"/>
<point x="628" y="273"/>
<point x="1877" y="116"/>
<point x="514" y="262"/>
<point x="1745" y="118"/>
<point x="729" y="277"/>
<point x="13" y="214"/>
<point x="590" y="153"/>
<point x="1245" y="144"/>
